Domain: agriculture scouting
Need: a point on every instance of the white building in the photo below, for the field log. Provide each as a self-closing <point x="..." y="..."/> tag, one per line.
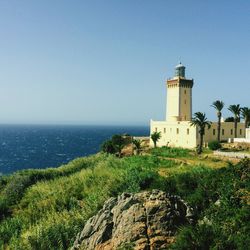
<point x="176" y="130"/>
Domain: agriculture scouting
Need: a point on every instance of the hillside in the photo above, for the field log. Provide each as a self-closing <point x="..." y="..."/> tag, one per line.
<point x="46" y="209"/>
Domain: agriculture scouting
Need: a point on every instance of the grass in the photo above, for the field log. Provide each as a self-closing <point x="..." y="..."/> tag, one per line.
<point x="45" y="209"/>
<point x="50" y="212"/>
<point x="171" y="152"/>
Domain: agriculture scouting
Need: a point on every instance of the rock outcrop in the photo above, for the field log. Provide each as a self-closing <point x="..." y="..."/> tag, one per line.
<point x="142" y="221"/>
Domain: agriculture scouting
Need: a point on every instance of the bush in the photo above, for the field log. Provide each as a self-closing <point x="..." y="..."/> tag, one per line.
<point x="15" y="185"/>
<point x="170" y="152"/>
<point x="52" y="205"/>
<point x="223" y="209"/>
<point x="48" y="214"/>
<point x="214" y="145"/>
<point x="115" y="145"/>
<point x="139" y="178"/>
<point x="108" y="147"/>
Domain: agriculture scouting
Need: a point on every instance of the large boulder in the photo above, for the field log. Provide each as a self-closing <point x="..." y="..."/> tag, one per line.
<point x="147" y="220"/>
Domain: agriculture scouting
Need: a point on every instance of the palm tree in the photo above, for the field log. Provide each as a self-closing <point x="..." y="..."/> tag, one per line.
<point x="218" y="105"/>
<point x="200" y="120"/>
<point x="137" y="146"/>
<point x="156" y="136"/>
<point x="245" y="112"/>
<point x="235" y="109"/>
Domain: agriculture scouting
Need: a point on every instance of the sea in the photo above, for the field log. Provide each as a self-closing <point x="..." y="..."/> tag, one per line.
<point x="42" y="146"/>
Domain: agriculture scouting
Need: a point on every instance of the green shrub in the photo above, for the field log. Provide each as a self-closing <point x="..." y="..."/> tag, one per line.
<point x="223" y="214"/>
<point x="16" y="184"/>
<point x="108" y="147"/>
<point x="214" y="145"/>
<point x="115" y="145"/>
<point x="191" y="186"/>
<point x="15" y="188"/>
<point x="191" y="237"/>
<point x="54" y="204"/>
<point x="137" y="179"/>
<point x="3" y="181"/>
<point x="170" y="152"/>
<point x="51" y="212"/>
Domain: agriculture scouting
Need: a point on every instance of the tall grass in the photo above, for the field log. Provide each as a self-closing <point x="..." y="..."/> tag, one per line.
<point x="171" y="152"/>
<point x="13" y="187"/>
<point x="45" y="209"/>
<point x="51" y="212"/>
<point x="222" y="204"/>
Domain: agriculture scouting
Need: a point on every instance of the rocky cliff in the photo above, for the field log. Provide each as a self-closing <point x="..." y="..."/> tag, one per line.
<point x="147" y="220"/>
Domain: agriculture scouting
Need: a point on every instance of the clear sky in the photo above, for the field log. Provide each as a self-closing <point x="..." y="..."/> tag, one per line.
<point x="106" y="62"/>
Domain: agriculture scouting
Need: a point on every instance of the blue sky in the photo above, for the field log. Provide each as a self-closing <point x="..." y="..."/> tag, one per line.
<point x="106" y="62"/>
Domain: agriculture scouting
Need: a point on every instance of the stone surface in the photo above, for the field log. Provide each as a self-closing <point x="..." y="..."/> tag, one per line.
<point x="144" y="221"/>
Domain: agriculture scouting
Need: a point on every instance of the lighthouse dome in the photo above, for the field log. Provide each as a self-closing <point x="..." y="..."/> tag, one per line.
<point x="180" y="70"/>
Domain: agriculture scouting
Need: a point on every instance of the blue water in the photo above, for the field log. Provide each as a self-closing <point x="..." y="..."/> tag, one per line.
<point x="23" y="146"/>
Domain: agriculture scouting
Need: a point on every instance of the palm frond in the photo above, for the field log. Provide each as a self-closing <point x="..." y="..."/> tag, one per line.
<point x="245" y="112"/>
<point x="218" y="105"/>
<point x="235" y="109"/>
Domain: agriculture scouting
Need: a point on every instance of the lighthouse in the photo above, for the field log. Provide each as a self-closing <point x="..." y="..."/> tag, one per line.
<point x="179" y="96"/>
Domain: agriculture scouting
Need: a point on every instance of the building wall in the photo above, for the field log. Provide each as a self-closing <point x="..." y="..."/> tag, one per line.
<point x="177" y="131"/>
<point x="173" y="107"/>
<point x="246" y="139"/>
<point x="185" y="103"/>
<point x="182" y="134"/>
<point x="179" y="99"/>
<point x="174" y="134"/>
<point x="248" y="133"/>
<point x="227" y="131"/>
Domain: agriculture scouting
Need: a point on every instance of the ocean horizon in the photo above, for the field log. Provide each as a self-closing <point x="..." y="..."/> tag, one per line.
<point x="43" y="146"/>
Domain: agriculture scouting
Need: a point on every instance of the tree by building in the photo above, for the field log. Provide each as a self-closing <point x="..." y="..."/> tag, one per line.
<point x="245" y="113"/>
<point x="218" y="105"/>
<point x="200" y="120"/>
<point x="155" y="136"/>
<point x="236" y="110"/>
<point x="137" y="146"/>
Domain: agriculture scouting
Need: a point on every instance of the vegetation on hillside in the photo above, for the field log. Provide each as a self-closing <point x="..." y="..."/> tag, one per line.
<point x="221" y="199"/>
<point x="115" y="145"/>
<point x="45" y="209"/>
<point x="137" y="146"/>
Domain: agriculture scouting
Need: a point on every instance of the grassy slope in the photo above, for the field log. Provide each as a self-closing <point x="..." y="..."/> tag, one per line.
<point x="45" y="209"/>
